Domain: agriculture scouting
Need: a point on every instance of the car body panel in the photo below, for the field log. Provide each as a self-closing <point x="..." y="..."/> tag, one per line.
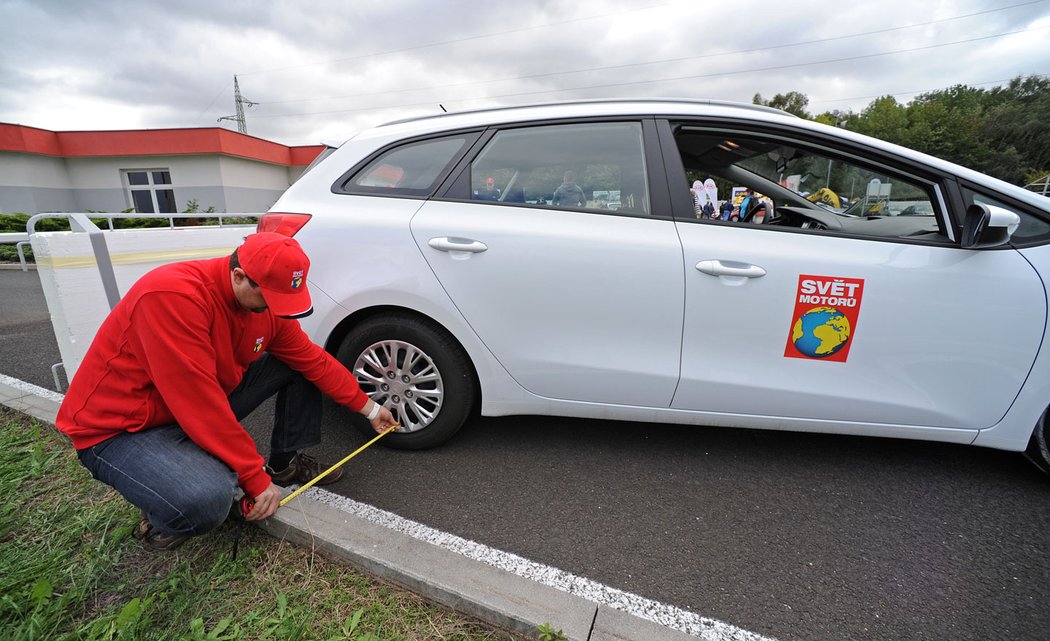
<point x="907" y="363"/>
<point x="566" y="301"/>
<point x="385" y="272"/>
<point x="1015" y="429"/>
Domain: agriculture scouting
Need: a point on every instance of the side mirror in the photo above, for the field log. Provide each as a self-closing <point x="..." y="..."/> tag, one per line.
<point x="988" y="226"/>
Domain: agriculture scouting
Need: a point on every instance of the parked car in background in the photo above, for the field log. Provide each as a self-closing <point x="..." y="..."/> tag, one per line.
<point x="861" y="321"/>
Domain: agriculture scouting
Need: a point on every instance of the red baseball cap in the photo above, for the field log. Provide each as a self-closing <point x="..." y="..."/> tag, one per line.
<point x="278" y="265"/>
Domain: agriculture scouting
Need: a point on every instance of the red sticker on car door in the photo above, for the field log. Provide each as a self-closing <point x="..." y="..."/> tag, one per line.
<point x="825" y="318"/>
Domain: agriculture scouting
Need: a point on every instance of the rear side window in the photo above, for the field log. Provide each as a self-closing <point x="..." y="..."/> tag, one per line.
<point x="593" y="166"/>
<point x="413" y="169"/>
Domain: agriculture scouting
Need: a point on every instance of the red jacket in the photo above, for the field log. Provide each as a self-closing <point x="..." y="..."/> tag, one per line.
<point x="173" y="349"/>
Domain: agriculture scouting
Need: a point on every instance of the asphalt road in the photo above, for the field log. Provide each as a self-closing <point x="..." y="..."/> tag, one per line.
<point x="794" y="536"/>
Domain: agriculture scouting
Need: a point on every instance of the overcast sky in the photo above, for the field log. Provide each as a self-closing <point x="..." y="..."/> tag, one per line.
<point x="323" y="69"/>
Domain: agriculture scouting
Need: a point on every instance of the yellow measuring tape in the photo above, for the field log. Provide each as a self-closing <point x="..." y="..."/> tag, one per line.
<point x="320" y="476"/>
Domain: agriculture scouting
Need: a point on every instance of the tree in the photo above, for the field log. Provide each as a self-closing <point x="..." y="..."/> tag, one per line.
<point x="1017" y="127"/>
<point x="792" y="102"/>
<point x="833" y="118"/>
<point x="884" y="118"/>
<point x="947" y="124"/>
<point x="1003" y="132"/>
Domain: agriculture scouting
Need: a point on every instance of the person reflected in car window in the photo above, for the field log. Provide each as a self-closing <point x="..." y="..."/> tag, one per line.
<point x="696" y="192"/>
<point x="748" y="205"/>
<point x="569" y="194"/>
<point x="488" y="191"/>
<point x="727" y="209"/>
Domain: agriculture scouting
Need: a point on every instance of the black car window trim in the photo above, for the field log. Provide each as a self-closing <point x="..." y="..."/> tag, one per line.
<point x="344" y="186"/>
<point x="833" y="149"/>
<point x="660" y="202"/>
<point x="457" y="187"/>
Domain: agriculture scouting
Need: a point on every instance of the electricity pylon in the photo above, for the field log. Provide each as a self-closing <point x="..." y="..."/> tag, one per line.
<point x="240" y="103"/>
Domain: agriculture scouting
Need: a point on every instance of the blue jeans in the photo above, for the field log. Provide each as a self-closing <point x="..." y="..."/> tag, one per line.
<point x="182" y="488"/>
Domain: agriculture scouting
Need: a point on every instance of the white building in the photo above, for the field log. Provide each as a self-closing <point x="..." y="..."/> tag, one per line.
<point x="151" y="170"/>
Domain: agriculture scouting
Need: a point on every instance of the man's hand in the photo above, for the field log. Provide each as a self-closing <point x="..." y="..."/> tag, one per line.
<point x="383" y="421"/>
<point x="265" y="504"/>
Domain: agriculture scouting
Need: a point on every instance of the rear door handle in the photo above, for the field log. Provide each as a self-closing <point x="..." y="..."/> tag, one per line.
<point x="716" y="267"/>
<point x="446" y="244"/>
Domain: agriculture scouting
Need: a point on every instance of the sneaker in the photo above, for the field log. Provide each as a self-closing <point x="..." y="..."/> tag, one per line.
<point x="302" y="470"/>
<point x="154" y="539"/>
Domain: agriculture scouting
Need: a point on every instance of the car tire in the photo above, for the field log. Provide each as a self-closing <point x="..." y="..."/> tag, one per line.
<point x="415" y="369"/>
<point x="1038" y="451"/>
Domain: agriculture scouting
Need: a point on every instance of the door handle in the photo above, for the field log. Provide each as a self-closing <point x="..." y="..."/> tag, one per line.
<point x="730" y="268"/>
<point x="447" y="244"/>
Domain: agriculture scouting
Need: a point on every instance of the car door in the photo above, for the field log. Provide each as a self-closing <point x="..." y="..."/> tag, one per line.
<point x="881" y="320"/>
<point x="550" y="246"/>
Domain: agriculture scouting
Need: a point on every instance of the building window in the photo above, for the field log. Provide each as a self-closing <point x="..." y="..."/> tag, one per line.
<point x="150" y="191"/>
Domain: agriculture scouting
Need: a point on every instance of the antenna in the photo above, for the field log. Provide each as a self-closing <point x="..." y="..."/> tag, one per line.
<point x="240" y="102"/>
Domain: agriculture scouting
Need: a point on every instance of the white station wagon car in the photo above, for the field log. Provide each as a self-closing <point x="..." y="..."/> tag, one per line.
<point x="554" y="260"/>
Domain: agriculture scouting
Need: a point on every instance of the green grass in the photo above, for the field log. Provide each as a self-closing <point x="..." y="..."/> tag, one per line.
<point x="69" y="570"/>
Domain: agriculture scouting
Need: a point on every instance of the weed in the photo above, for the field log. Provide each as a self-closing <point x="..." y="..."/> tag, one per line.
<point x="546" y="632"/>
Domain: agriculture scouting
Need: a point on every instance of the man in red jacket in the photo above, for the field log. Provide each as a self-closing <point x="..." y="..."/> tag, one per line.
<point x="193" y="348"/>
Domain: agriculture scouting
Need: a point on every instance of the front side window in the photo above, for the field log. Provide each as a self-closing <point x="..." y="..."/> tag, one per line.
<point x="772" y="181"/>
<point x="594" y="166"/>
<point x="1033" y="230"/>
<point x="150" y="190"/>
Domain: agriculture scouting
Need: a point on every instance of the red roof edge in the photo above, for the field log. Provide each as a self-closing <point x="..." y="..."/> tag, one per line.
<point x="28" y="140"/>
<point x="153" y="142"/>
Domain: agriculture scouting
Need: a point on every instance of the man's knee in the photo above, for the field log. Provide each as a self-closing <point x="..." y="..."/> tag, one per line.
<point x="197" y="512"/>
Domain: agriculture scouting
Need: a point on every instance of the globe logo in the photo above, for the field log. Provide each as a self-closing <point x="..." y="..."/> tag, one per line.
<point x="820" y="332"/>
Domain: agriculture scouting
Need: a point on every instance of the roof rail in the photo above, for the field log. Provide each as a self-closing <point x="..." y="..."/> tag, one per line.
<point x="597" y="101"/>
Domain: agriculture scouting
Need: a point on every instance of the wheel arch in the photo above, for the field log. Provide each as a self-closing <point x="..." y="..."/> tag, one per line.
<point x="344" y="327"/>
<point x="1038" y="450"/>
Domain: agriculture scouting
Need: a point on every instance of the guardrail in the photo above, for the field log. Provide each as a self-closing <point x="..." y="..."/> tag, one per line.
<point x="20" y="240"/>
<point x="80" y="222"/>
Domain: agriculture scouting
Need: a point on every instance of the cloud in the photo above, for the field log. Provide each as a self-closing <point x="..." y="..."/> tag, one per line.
<point x="326" y="68"/>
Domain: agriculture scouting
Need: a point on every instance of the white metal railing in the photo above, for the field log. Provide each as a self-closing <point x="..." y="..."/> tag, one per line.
<point x="21" y="240"/>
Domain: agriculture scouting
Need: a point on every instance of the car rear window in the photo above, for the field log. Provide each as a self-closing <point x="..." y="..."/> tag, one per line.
<point x="412" y="169"/>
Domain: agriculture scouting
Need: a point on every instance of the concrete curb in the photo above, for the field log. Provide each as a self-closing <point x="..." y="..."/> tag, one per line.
<point x="40" y="403"/>
<point x="440" y="573"/>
